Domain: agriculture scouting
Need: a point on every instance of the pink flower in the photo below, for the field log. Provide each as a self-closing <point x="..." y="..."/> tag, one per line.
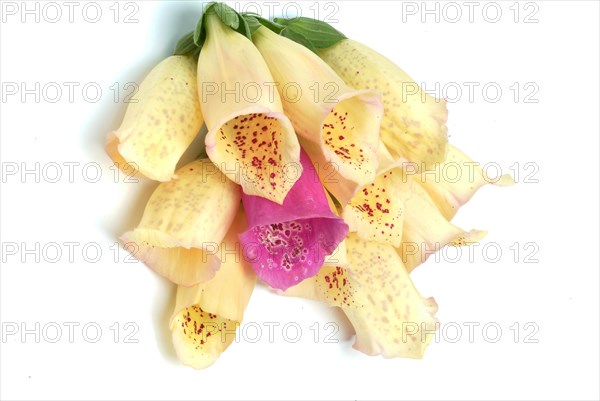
<point x="288" y="243"/>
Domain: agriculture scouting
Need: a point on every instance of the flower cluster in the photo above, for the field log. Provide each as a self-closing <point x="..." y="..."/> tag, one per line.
<point x="314" y="180"/>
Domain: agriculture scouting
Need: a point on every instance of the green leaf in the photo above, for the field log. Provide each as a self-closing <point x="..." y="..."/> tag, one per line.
<point x="290" y="33"/>
<point x="199" y="32"/>
<point x="255" y="21"/>
<point x="320" y="34"/>
<point x="252" y="22"/>
<point x="244" y="28"/>
<point x="227" y="14"/>
<point x="275" y="27"/>
<point x="185" y="45"/>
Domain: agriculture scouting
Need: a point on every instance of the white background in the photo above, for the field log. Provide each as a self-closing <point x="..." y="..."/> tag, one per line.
<point x="558" y="214"/>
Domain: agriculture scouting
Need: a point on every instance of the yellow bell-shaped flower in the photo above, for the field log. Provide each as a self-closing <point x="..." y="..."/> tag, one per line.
<point x="414" y="123"/>
<point x="335" y="122"/>
<point x="184" y="222"/>
<point x="161" y="121"/>
<point x="206" y="315"/>
<point x="249" y="138"/>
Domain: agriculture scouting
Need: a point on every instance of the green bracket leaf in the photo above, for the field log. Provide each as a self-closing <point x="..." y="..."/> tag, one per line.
<point x="199" y="32"/>
<point x="185" y="45"/>
<point x="310" y="33"/>
<point x="244" y="27"/>
<point x="292" y="34"/>
<point x="252" y="22"/>
<point x="227" y="14"/>
<point x="253" y="18"/>
<point x="304" y="30"/>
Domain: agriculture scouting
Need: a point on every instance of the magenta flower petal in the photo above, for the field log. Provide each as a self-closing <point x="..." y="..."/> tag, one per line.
<point x="288" y="243"/>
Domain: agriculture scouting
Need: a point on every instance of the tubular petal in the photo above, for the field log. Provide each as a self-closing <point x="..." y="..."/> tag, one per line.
<point x="287" y="243"/>
<point x="343" y="122"/>
<point x="329" y="174"/>
<point x="249" y="138"/>
<point x="161" y="121"/>
<point x="200" y="337"/>
<point x="426" y="230"/>
<point x="339" y="255"/>
<point x="206" y="315"/>
<point x="376" y="211"/>
<point x="394" y="314"/>
<point x="468" y="238"/>
<point x="332" y="285"/>
<point x="378" y="297"/>
<point x="183" y="223"/>
<point x="414" y="123"/>
<point x="453" y="183"/>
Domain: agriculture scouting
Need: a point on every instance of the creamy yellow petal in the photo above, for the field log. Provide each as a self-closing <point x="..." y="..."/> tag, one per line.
<point x="414" y="123"/>
<point x="162" y="119"/>
<point x="396" y="321"/>
<point x="206" y="315"/>
<point x="452" y="183"/>
<point x="468" y="238"/>
<point x="328" y="172"/>
<point x="183" y="223"/>
<point x="376" y="211"/>
<point x="425" y="229"/>
<point x="164" y="255"/>
<point x="394" y="315"/>
<point x="375" y="292"/>
<point x="249" y="138"/>
<point x="200" y="337"/>
<point x="339" y="256"/>
<point x="342" y="122"/>
<point x="331" y="286"/>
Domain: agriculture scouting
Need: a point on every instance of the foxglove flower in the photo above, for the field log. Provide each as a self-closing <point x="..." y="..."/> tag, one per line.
<point x="184" y="221"/>
<point x="249" y="138"/>
<point x="341" y="123"/>
<point x="206" y="315"/>
<point x="161" y="121"/>
<point x="437" y="196"/>
<point x="412" y="210"/>
<point x="451" y="192"/>
<point x="374" y="211"/>
<point x="375" y="292"/>
<point x="414" y="123"/>
<point x="425" y="229"/>
<point x="287" y="243"/>
<point x="394" y="209"/>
